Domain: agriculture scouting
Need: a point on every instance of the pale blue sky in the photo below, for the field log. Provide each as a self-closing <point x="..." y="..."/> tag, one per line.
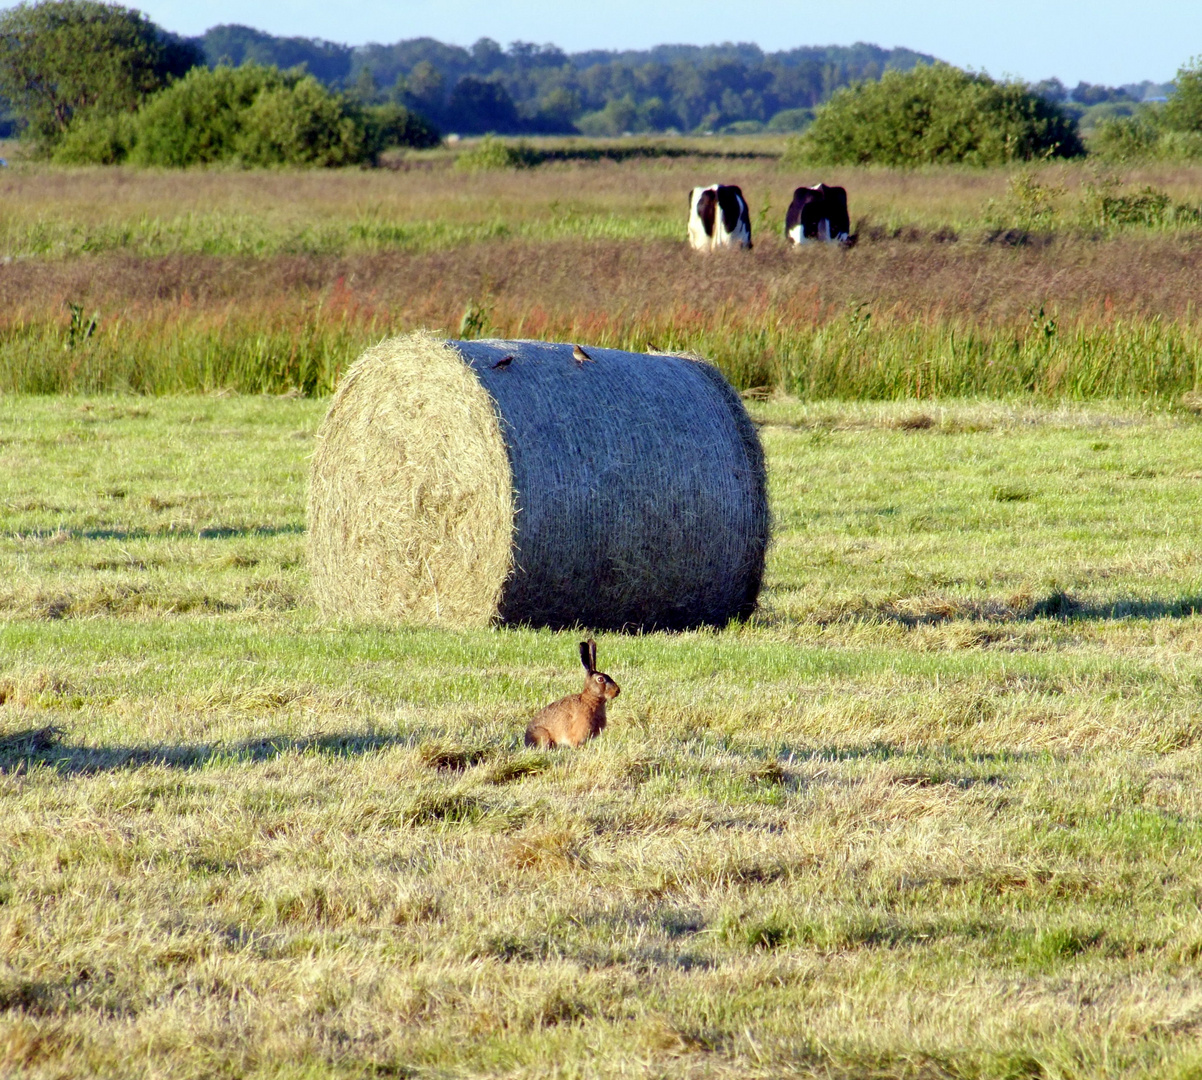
<point x="1106" y="41"/>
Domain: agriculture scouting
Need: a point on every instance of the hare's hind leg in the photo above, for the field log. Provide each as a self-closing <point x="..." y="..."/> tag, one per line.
<point x="540" y="737"/>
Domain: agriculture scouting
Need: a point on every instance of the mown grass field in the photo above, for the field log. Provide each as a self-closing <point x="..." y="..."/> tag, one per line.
<point x="933" y="812"/>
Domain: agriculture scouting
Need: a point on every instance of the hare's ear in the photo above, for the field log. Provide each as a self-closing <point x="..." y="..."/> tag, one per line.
<point x="592" y="655"/>
<point x="587" y="651"/>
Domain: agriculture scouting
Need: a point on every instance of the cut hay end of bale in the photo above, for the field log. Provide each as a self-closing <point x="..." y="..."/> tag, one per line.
<point x="465" y="483"/>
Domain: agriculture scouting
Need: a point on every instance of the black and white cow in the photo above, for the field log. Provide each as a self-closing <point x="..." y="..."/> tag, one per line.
<point x="718" y="218"/>
<point x="819" y="213"/>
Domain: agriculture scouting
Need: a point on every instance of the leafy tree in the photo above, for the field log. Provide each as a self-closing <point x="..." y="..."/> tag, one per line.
<point x="681" y="86"/>
<point x="1183" y="111"/>
<point x="390" y="125"/>
<point x="366" y="90"/>
<point x="1052" y="89"/>
<point x="232" y="45"/>
<point x="480" y="105"/>
<point x="1095" y="94"/>
<point x="935" y="115"/>
<point x="791" y="120"/>
<point x="556" y="109"/>
<point x="618" y="117"/>
<point x="424" y="90"/>
<point x="60" y="58"/>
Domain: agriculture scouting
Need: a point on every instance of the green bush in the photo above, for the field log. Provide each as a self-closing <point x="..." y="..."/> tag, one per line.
<point x="743" y="127"/>
<point x="97" y="138"/>
<point x="302" y="124"/>
<point x="1105" y="205"/>
<point x="618" y="116"/>
<point x="936" y="114"/>
<point x="198" y="120"/>
<point x="1029" y="206"/>
<point x="791" y="120"/>
<point x="1125" y="138"/>
<point x="491" y="153"/>
<point x="1180" y="145"/>
<point x="1089" y="118"/>
<point x="252" y="115"/>
<point x="1183" y="111"/>
<point x="391" y="126"/>
<point x="624" y="115"/>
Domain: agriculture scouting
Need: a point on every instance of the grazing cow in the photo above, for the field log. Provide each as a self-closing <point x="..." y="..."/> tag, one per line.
<point x="819" y="213"/>
<point x="718" y="218"/>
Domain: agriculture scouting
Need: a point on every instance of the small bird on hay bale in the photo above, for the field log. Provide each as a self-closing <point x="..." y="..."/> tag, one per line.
<point x="503" y="363"/>
<point x="580" y="355"/>
<point x="573" y="720"/>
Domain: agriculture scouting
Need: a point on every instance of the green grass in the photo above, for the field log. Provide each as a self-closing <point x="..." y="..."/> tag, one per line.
<point x="933" y="812"/>
<point x="52" y="212"/>
<point x="851" y="359"/>
<point x="225" y="233"/>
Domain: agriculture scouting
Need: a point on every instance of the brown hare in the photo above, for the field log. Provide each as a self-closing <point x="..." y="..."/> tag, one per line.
<point x="573" y="720"/>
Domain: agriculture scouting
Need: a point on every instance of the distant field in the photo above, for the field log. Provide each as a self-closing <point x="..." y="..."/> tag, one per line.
<point x="424" y="204"/>
<point x="932" y="813"/>
<point x="163" y="282"/>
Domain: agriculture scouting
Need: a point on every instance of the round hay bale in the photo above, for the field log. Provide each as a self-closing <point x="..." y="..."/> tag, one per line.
<point x="469" y="482"/>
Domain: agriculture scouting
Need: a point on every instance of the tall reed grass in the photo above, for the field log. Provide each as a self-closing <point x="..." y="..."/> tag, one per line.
<point x="175" y="354"/>
<point x="305" y="347"/>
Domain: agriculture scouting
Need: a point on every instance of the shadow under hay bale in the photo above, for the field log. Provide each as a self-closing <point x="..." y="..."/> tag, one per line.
<point x="470" y="482"/>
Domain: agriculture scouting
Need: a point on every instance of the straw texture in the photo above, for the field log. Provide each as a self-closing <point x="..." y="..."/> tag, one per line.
<point x="453" y="485"/>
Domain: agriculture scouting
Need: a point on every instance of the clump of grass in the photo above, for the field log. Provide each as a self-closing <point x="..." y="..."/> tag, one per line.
<point x="30" y="741"/>
<point x="1031" y="204"/>
<point x="453" y="758"/>
<point x="449" y="807"/>
<point x="492" y="153"/>
<point x="1107" y="205"/>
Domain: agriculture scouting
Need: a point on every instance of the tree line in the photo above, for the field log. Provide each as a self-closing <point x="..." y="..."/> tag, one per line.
<point x="521" y="89"/>
<point x="90" y="81"/>
<point x="540" y="89"/>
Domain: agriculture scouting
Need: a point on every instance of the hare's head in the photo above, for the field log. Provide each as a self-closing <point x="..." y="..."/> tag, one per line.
<point x="598" y="683"/>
